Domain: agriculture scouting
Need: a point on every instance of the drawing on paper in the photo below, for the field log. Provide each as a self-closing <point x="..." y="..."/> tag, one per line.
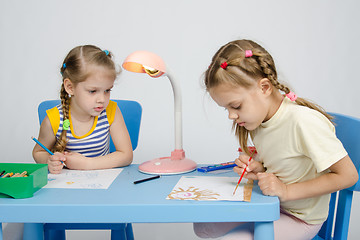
<point x="192" y="193"/>
<point x="203" y="188"/>
<point x="90" y="179"/>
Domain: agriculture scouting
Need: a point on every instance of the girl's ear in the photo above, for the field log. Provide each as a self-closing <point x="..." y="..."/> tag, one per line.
<point x="266" y="86"/>
<point x="69" y="86"/>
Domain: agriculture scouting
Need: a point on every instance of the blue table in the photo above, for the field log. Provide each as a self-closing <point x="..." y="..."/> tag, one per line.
<point x="125" y="202"/>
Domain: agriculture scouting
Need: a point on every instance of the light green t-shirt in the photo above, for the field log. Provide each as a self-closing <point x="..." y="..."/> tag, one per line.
<point x="298" y="144"/>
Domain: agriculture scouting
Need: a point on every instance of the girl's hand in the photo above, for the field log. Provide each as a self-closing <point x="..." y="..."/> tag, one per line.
<point x="252" y="168"/>
<point x="76" y="161"/>
<point x="270" y="185"/>
<point x="54" y="162"/>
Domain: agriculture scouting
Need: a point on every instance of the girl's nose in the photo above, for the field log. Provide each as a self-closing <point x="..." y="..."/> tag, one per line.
<point x="232" y="115"/>
<point x="100" y="98"/>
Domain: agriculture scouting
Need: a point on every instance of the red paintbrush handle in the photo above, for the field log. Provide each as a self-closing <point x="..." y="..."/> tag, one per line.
<point x="243" y="173"/>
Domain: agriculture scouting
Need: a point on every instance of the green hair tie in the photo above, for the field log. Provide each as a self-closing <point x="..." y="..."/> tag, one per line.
<point x="66" y="124"/>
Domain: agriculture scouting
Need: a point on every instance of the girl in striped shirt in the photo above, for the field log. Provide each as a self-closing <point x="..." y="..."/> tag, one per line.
<point x="78" y="130"/>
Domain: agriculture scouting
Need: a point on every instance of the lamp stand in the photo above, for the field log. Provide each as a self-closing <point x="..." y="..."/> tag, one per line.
<point x="177" y="163"/>
<point x="167" y="166"/>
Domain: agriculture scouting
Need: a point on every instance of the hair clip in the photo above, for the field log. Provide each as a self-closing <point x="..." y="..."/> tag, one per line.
<point x="106" y="52"/>
<point x="292" y="96"/>
<point x="248" y="53"/>
<point x="224" y="65"/>
<point x="66" y="124"/>
<point x="64" y="66"/>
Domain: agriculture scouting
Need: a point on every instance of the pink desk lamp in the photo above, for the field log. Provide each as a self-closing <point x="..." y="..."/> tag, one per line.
<point x="154" y="66"/>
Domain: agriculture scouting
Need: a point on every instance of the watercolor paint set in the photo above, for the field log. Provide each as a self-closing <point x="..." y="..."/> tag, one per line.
<point x="216" y="167"/>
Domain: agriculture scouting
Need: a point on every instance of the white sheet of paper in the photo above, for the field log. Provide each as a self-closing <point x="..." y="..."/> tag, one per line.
<point x="90" y="179"/>
<point x="208" y="189"/>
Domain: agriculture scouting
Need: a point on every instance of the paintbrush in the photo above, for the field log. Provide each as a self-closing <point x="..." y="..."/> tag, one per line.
<point x="243" y="172"/>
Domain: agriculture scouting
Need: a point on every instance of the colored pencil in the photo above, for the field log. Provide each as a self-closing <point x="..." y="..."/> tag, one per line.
<point x="45" y="148"/>
<point x="7" y="175"/>
<point x="146" y="179"/>
<point x="243" y="173"/>
<point x="20" y="174"/>
<point x="41" y="145"/>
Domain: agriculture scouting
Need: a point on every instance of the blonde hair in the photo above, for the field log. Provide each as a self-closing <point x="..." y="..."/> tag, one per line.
<point x="245" y="71"/>
<point x="75" y="68"/>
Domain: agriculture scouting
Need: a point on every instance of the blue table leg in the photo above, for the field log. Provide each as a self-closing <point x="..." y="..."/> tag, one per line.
<point x="33" y="231"/>
<point x="264" y="231"/>
<point x="129" y="232"/>
<point x="1" y="237"/>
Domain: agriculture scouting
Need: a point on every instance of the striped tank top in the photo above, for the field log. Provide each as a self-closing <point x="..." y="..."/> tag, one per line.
<point x="93" y="144"/>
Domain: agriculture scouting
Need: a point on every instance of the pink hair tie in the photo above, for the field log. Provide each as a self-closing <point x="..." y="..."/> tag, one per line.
<point x="248" y="53"/>
<point x="292" y="96"/>
<point x="224" y="65"/>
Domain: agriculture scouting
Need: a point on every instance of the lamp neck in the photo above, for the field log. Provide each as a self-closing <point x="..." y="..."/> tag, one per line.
<point x="177" y="110"/>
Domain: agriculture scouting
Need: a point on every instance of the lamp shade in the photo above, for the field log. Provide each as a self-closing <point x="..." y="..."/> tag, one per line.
<point x="145" y="62"/>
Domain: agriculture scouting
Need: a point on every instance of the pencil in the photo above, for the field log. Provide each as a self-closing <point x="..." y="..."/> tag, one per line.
<point x="41" y="145"/>
<point x="45" y="148"/>
<point x="243" y="173"/>
<point x="146" y="179"/>
<point x="7" y="175"/>
<point x="23" y="174"/>
<point x="20" y="174"/>
<point x="15" y="175"/>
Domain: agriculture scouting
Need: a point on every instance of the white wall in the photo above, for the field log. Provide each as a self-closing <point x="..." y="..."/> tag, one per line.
<point x="314" y="43"/>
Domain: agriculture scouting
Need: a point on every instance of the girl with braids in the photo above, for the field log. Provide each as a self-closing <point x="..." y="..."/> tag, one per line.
<point x="299" y="158"/>
<point x="78" y="130"/>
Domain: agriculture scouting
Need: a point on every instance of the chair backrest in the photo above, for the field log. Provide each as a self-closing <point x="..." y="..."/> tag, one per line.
<point x="348" y="131"/>
<point x="131" y="111"/>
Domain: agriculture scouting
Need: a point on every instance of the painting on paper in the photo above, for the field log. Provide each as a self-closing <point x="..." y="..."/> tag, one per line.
<point x="211" y="189"/>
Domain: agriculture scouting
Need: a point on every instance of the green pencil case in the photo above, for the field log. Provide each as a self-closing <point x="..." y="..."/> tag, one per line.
<point x="23" y="187"/>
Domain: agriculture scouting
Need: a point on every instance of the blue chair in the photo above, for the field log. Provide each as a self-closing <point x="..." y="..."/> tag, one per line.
<point x="348" y="131"/>
<point x="131" y="112"/>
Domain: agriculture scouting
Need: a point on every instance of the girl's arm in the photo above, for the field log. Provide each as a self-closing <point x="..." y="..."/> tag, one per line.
<point x="123" y="155"/>
<point x="47" y="138"/>
<point x="343" y="174"/>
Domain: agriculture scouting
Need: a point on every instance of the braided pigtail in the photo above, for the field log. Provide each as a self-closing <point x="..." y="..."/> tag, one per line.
<point x="60" y="144"/>
<point x="270" y="73"/>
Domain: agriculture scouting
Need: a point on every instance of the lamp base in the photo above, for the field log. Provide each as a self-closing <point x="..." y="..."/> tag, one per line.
<point x="167" y="166"/>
